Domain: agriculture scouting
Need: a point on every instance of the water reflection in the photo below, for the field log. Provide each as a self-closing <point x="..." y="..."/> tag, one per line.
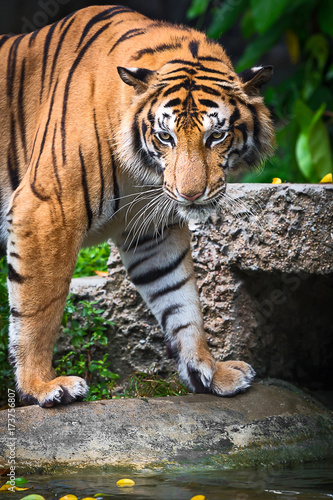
<point x="306" y="482"/>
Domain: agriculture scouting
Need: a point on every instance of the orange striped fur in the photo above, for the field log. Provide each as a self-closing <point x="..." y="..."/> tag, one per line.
<point x="114" y="125"/>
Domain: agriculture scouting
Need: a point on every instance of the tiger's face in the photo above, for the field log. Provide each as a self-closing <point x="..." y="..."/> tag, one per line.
<point x="191" y="129"/>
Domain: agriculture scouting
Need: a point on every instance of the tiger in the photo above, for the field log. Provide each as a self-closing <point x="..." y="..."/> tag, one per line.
<point x="116" y="126"/>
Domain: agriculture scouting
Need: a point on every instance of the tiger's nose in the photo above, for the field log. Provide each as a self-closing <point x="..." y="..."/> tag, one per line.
<point x="191" y="198"/>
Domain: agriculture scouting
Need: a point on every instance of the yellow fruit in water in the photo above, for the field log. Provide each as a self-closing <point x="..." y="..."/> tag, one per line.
<point x="69" y="497"/>
<point x="125" y="483"/>
<point x="33" y="496"/>
<point x="199" y="497"/>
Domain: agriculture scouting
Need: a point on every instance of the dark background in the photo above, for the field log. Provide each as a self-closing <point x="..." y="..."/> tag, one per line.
<point x="21" y="16"/>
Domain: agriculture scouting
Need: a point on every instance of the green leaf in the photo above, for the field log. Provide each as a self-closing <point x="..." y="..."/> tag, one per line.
<point x="267" y="12"/>
<point x="224" y="17"/>
<point x="247" y="24"/>
<point x="329" y="74"/>
<point x="313" y="150"/>
<point x="260" y="46"/>
<point x="19" y="481"/>
<point x="197" y="8"/>
<point x="318" y="48"/>
<point x="325" y="17"/>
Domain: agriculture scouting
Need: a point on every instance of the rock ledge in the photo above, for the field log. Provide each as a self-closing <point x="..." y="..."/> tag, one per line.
<point x="269" y="424"/>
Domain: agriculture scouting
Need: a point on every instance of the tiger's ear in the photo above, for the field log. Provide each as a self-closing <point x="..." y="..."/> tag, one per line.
<point x="136" y="77"/>
<point x="254" y="78"/>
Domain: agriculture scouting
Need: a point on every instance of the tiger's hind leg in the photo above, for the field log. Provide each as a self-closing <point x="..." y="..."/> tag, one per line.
<point x="162" y="270"/>
<point x="41" y="256"/>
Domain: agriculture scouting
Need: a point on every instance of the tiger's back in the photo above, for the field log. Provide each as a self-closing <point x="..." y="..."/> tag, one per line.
<point x="104" y="107"/>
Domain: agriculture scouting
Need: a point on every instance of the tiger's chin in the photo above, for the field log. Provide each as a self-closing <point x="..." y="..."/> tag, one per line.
<point x="196" y="212"/>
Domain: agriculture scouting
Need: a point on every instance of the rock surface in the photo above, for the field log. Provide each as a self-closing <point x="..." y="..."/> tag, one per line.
<point x="268" y="424"/>
<point x="265" y="275"/>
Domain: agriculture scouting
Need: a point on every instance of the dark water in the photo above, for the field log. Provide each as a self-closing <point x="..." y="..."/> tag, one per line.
<point x="309" y="481"/>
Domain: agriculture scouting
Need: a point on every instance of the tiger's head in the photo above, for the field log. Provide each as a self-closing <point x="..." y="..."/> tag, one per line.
<point x="189" y="125"/>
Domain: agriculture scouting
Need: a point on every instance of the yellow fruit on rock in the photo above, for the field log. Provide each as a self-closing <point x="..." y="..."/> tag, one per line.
<point x="327" y="178"/>
<point x="276" y="180"/>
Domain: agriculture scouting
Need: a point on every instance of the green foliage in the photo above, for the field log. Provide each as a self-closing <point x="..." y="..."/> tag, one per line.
<point x="87" y="330"/>
<point x="150" y="385"/>
<point x="85" y="336"/>
<point x="91" y="259"/>
<point x="303" y="102"/>
<point x="6" y="371"/>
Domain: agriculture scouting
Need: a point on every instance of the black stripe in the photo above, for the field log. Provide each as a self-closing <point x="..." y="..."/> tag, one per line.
<point x="208" y="90"/>
<point x="155" y="274"/>
<point x="140" y="261"/>
<point x="243" y="129"/>
<point x="142" y="241"/>
<point x="189" y="71"/>
<point x="14" y="275"/>
<point x="11" y="66"/>
<point x="33" y="186"/>
<point x="179" y="328"/>
<point x="126" y="36"/>
<point x="115" y="186"/>
<point x="204" y="69"/>
<point x="68" y="82"/>
<point x="85" y="189"/>
<point x="115" y="182"/>
<point x="174" y="88"/>
<point x="256" y="124"/>
<point x="65" y="19"/>
<point x="171" y="78"/>
<point x="173" y="102"/>
<point x="13" y="168"/>
<point x="16" y="255"/>
<point x="159" y="48"/>
<point x="234" y="117"/>
<point x="210" y="58"/>
<point x="56" y="55"/>
<point x="100" y="163"/>
<point x="208" y="103"/>
<point x="194" y="46"/>
<point x="54" y="160"/>
<point x="214" y="79"/>
<point x="4" y="39"/>
<point x="182" y="61"/>
<point x="20" y="111"/>
<point x="56" y="173"/>
<point x="33" y="37"/>
<point x="14" y="312"/>
<point x="102" y="16"/>
<point x="169" y="311"/>
<point x="45" y="56"/>
<point x="169" y="289"/>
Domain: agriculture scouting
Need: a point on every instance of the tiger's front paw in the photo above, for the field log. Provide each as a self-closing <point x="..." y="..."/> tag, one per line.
<point x="61" y="390"/>
<point x="223" y="379"/>
<point x="231" y="377"/>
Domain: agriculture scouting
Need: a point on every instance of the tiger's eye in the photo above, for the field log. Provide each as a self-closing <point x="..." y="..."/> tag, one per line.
<point x="164" y="136"/>
<point x="217" y="135"/>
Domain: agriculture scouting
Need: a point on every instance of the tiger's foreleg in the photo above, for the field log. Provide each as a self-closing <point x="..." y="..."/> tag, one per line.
<point x="162" y="270"/>
<point x="42" y="251"/>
